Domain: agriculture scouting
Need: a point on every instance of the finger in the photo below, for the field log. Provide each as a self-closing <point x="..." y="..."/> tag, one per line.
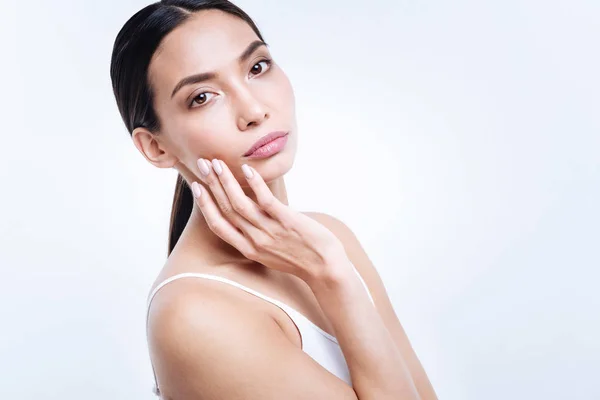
<point x="241" y="203"/>
<point x="219" y="225"/>
<point x="221" y="198"/>
<point x="264" y="197"/>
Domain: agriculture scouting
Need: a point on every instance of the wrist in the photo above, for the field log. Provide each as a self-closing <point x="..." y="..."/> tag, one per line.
<point x="333" y="273"/>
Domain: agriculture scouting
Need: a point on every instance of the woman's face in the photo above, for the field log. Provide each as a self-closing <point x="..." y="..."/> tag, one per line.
<point x="222" y="115"/>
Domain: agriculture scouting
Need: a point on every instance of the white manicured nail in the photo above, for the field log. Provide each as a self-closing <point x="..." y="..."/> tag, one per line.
<point x="217" y="166"/>
<point x="247" y="171"/>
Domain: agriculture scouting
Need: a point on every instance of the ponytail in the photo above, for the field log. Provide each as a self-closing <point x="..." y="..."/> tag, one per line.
<point x="183" y="202"/>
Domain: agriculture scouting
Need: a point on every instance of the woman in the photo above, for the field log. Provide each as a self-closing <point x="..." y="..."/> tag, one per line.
<point x="281" y="310"/>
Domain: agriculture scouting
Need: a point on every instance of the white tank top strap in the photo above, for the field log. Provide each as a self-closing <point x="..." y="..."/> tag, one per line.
<point x="215" y="278"/>
<point x="229" y="281"/>
<point x="292" y="312"/>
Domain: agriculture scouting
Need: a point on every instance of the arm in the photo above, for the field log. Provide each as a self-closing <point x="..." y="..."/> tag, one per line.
<point x="376" y="365"/>
<point x="367" y="270"/>
<point x="212" y="343"/>
<point x="208" y="352"/>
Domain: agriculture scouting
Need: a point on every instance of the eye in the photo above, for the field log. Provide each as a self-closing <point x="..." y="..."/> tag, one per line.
<point x="200" y="99"/>
<point x="267" y="62"/>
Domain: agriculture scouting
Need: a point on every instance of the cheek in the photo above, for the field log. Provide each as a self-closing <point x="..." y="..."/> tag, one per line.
<point x="197" y="141"/>
<point x="204" y="130"/>
<point x="285" y="93"/>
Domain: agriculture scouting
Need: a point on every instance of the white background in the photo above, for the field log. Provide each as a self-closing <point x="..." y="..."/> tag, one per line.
<point x="459" y="140"/>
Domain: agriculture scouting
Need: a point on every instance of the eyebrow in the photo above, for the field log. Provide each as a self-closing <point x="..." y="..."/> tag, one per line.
<point x="197" y="78"/>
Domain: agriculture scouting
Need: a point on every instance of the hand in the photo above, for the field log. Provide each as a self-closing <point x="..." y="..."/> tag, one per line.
<point x="269" y="232"/>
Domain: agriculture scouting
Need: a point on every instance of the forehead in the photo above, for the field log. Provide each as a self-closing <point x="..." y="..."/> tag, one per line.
<point x="208" y="41"/>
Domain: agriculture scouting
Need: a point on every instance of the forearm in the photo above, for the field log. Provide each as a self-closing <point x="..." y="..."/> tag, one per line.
<point x="377" y="368"/>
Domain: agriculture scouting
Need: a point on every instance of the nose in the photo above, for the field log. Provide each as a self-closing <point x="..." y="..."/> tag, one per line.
<point x="250" y="111"/>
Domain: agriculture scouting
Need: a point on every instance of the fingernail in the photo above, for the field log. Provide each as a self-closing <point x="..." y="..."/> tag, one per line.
<point x="203" y="165"/>
<point x="217" y="166"/>
<point x="196" y="189"/>
<point x="247" y="171"/>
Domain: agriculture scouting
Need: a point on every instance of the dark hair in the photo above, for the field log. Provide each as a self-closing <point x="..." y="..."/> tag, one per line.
<point x="134" y="46"/>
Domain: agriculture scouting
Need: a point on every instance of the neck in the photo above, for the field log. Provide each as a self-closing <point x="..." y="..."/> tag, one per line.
<point x="198" y="239"/>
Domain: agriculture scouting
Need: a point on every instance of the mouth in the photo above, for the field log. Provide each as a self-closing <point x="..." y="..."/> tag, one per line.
<point x="267" y="144"/>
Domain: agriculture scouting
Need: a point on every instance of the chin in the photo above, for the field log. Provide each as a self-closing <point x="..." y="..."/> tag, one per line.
<point x="277" y="165"/>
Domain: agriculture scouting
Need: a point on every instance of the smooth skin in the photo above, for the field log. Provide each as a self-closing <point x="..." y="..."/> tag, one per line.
<point x="258" y="355"/>
<point x="265" y="231"/>
<point x="209" y="340"/>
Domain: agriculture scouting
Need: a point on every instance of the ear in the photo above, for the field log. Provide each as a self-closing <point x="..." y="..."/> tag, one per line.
<point x="152" y="149"/>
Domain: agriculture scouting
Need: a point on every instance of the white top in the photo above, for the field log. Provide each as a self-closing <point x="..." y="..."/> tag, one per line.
<point x="317" y="343"/>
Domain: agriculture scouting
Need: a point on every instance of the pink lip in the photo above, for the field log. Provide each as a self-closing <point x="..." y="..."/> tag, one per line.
<point x="273" y="147"/>
<point x="264" y="140"/>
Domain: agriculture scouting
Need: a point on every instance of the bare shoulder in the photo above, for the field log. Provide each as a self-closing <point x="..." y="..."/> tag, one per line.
<point x="207" y="341"/>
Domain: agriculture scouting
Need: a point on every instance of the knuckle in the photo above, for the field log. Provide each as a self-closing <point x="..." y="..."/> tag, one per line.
<point x="279" y="234"/>
<point x="224" y="206"/>
<point x="239" y="208"/>
<point x="250" y="252"/>
<point x="221" y="230"/>
<point x="228" y="210"/>
<point x="266" y="202"/>
<point x="213" y="225"/>
<point x="211" y="180"/>
<point x="260" y="242"/>
<point x="287" y="223"/>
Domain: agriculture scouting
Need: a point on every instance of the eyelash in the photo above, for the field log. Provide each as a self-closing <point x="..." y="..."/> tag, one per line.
<point x="269" y="64"/>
